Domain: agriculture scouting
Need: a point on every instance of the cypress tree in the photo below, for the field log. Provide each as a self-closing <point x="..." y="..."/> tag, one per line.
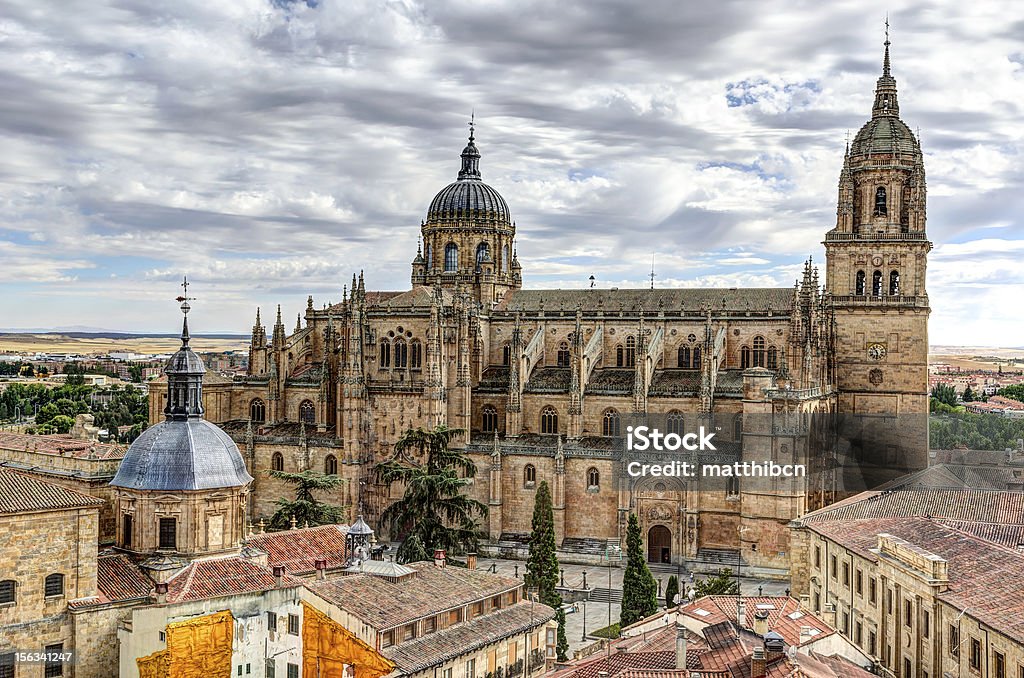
<point x="671" y="589"/>
<point x="542" y="563"/>
<point x="639" y="590"/>
<point x="562" y="643"/>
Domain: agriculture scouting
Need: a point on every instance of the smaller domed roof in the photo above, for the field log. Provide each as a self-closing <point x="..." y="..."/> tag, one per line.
<point x="884" y="134"/>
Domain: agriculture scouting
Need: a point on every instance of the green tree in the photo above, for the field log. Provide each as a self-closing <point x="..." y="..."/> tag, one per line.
<point x="412" y="551"/>
<point x="62" y="423"/>
<point x="1015" y="391"/>
<point x="433" y="507"/>
<point x="306" y="507"/>
<point x="561" y="642"/>
<point x="945" y="393"/>
<point x="542" y="562"/>
<point x="722" y="584"/>
<point x="968" y="395"/>
<point x="639" y="590"/>
<point x="671" y="589"/>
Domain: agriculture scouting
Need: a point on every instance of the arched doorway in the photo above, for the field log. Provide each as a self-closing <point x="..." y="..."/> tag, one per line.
<point x="659" y="545"/>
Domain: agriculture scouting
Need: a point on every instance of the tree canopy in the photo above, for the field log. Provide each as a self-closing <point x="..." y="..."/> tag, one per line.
<point x="306" y="508"/>
<point x="639" y="589"/>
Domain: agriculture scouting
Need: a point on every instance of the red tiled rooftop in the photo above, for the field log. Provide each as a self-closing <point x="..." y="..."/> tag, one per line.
<point x="60" y="445"/>
<point x="298" y="550"/>
<point x="784" y="615"/>
<point x="21" y="493"/>
<point x="221" y="577"/>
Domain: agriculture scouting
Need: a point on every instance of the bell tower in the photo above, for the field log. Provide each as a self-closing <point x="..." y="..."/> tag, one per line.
<point x="876" y="264"/>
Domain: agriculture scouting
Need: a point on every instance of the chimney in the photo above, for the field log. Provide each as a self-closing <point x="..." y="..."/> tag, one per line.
<point x="741" y="612"/>
<point x="680" y="647"/>
<point x="321" y="568"/>
<point x="829" y="615"/>
<point x="471" y="561"/>
<point x="805" y="602"/>
<point x="774" y="646"/>
<point x="758" y="664"/>
<point x="761" y="622"/>
<point x="161" y="592"/>
<point x="278" y="575"/>
<point x="439" y="558"/>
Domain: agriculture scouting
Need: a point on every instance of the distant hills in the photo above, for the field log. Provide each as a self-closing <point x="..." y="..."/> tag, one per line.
<point x="98" y="333"/>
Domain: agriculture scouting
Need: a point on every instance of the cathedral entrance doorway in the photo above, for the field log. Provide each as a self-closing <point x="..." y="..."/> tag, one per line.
<point x="659" y="545"/>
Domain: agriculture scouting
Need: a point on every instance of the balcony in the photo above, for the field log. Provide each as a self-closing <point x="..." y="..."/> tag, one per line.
<point x="836" y="236"/>
<point x="917" y="301"/>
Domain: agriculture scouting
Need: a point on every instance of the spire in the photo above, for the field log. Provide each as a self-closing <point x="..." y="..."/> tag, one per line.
<point x="184" y="372"/>
<point x="298" y="323"/>
<point x="885" y="91"/>
<point x="185" y="308"/>
<point x="470" y="154"/>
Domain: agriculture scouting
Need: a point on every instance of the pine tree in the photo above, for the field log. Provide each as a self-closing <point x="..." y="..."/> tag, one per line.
<point x="671" y="590"/>
<point x="639" y="590"/>
<point x="412" y="551"/>
<point x="722" y="584"/>
<point x="542" y="562"/>
<point x="306" y="508"/>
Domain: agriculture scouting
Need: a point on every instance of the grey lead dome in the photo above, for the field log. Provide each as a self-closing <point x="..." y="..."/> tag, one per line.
<point x="468" y="198"/>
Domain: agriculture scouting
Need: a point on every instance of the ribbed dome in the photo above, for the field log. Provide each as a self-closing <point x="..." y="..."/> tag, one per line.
<point x="468" y="199"/>
<point x="884" y="135"/>
<point x="177" y="455"/>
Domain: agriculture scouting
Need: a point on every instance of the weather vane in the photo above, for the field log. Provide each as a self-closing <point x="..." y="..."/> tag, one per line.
<point x="472" y="123"/>
<point x="184" y="299"/>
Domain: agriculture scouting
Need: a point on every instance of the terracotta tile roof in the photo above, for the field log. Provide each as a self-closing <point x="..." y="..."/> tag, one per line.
<point x="384" y="604"/>
<point x="457" y="640"/>
<point x="982" y="506"/>
<point x="118" y="578"/>
<point x="984" y="578"/>
<point x="60" y="445"/>
<point x="20" y="493"/>
<point x="784" y="615"/>
<point x="298" y="550"/>
<point x="1011" y="536"/>
<point x="222" y="577"/>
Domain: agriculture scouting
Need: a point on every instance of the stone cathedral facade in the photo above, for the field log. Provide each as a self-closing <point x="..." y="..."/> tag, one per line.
<point x="545" y="381"/>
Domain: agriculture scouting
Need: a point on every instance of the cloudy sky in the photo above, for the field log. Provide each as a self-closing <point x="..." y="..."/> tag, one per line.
<point x="269" y="148"/>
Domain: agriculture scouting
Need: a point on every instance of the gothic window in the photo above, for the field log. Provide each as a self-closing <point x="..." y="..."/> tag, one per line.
<point x="744" y="357"/>
<point x="331" y="465"/>
<point x="876" y="284"/>
<point x="773" y="358"/>
<point x="620" y="356"/>
<point x="504" y="258"/>
<point x="880" y="206"/>
<point x="401" y="351"/>
<point x="610" y="423"/>
<point x="696" y="357"/>
<point x="257" y="410"/>
<point x="894" y="283"/>
<point x="490" y="419"/>
<point x="861" y="284"/>
<point x="675" y="422"/>
<point x="683" y="357"/>
<point x="506" y="354"/>
<point x="385" y="354"/>
<point x="7" y="592"/>
<point x="529" y="475"/>
<point x="451" y="257"/>
<point x="482" y="252"/>
<point x="53" y="585"/>
<point x="416" y="355"/>
<point x="593" y="478"/>
<point x="548" y="420"/>
<point x="277" y="462"/>
<point x="563" y="354"/>
<point x="630" y="351"/>
<point x="758" y="351"/>
<point x="429" y="254"/>
<point x="307" y="412"/>
<point x="168" y="531"/>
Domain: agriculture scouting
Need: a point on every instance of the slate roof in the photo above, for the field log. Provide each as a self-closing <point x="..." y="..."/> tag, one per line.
<point x="549" y="380"/>
<point x="298" y="550"/>
<point x="385" y="604"/>
<point x="20" y="493"/>
<point x="494" y="379"/>
<point x="60" y="445"/>
<point x="437" y="648"/>
<point x="776" y="299"/>
<point x="984" y="578"/>
<point x="218" y="577"/>
<point x="611" y="381"/>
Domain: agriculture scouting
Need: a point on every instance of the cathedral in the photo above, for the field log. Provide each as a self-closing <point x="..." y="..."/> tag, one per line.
<point x="546" y="382"/>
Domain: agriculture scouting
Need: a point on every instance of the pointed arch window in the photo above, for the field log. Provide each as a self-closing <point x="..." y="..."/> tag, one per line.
<point x="549" y="420"/>
<point x="610" y="426"/>
<point x="620" y="356"/>
<point x="876" y="284"/>
<point x="759" y="351"/>
<point x="506" y="354"/>
<point x="593" y="478"/>
<point x="331" y="465"/>
<point x="489" y="419"/>
<point x="428" y="254"/>
<point x="563" y="354"/>
<point x="529" y="475"/>
<point x="483" y="252"/>
<point x="683" y="357"/>
<point x="504" y="258"/>
<point x="675" y="422"/>
<point x="277" y="461"/>
<point x="881" y="208"/>
<point x="744" y="357"/>
<point x="385" y="353"/>
<point x="630" y="351"/>
<point x="307" y="412"/>
<point x="861" y="284"/>
<point x="894" y="283"/>
<point x="401" y="351"/>
<point x="416" y="355"/>
<point x="257" y="410"/>
<point x="696" y="357"/>
<point x="773" y="358"/>
<point x="451" y="257"/>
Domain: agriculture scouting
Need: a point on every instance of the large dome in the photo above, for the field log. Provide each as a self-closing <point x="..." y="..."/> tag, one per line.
<point x="884" y="135"/>
<point x="182" y="454"/>
<point x="468" y="198"/>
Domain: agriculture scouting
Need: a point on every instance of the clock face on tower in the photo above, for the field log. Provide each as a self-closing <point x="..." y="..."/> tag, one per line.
<point x="877" y="351"/>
